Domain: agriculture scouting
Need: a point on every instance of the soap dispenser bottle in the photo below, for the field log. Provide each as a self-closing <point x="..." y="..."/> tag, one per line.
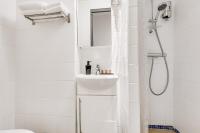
<point x="88" y="68"/>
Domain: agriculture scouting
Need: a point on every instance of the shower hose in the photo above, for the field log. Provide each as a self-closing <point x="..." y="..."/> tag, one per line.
<point x="152" y="66"/>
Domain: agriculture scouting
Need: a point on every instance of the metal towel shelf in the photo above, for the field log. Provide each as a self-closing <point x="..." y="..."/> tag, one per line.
<point x="50" y="16"/>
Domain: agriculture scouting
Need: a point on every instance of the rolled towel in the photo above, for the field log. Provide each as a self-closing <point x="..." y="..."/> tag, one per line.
<point x="32" y="5"/>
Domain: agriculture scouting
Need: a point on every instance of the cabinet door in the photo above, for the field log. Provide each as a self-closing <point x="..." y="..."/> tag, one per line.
<point x="97" y="114"/>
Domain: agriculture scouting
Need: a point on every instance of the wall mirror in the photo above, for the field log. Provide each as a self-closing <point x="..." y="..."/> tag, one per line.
<point x="94" y="23"/>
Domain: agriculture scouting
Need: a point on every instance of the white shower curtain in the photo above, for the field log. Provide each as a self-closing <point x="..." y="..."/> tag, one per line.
<point x="120" y="60"/>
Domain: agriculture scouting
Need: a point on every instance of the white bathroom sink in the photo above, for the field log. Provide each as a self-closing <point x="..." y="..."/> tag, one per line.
<point x="96" y="84"/>
<point x="97" y="77"/>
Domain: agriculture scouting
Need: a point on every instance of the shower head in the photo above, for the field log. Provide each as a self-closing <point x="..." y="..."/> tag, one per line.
<point x="166" y="7"/>
<point x="168" y="11"/>
<point x="162" y="6"/>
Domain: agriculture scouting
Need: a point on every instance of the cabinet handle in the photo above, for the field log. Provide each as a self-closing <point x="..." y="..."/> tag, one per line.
<point x="80" y="124"/>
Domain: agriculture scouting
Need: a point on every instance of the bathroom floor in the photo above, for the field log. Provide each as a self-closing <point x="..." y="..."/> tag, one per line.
<point x="160" y="131"/>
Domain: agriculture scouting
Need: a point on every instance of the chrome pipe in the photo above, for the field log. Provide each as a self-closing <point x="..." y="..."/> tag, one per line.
<point x="80" y="116"/>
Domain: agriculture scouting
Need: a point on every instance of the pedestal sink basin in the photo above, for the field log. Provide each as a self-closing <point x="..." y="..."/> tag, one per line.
<point x="97" y="84"/>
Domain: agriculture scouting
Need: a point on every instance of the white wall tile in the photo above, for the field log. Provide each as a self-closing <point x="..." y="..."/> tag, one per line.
<point x="134" y="92"/>
<point x="133" y="74"/>
<point x="160" y="108"/>
<point x="135" y="117"/>
<point x="133" y="2"/>
<point x="133" y="35"/>
<point x="46" y="72"/>
<point x="133" y="54"/>
<point x="45" y="93"/>
<point x="133" y="67"/>
<point x="46" y="124"/>
<point x="20" y="121"/>
<point x="97" y="55"/>
<point x="7" y="61"/>
<point x="187" y="81"/>
<point x="133" y="16"/>
<point x="66" y="125"/>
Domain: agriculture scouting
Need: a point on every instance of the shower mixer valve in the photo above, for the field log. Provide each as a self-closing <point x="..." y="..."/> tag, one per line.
<point x="153" y="27"/>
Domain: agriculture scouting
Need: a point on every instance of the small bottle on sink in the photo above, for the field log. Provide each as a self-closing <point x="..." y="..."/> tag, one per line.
<point x="88" y="68"/>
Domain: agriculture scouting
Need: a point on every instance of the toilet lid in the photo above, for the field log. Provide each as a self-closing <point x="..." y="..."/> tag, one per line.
<point x="16" y="131"/>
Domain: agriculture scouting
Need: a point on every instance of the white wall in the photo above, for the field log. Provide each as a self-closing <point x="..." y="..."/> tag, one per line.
<point x="160" y="108"/>
<point x="187" y="81"/>
<point x="45" y="93"/>
<point x="98" y="55"/>
<point x="133" y="58"/>
<point x="144" y="106"/>
<point x="7" y="63"/>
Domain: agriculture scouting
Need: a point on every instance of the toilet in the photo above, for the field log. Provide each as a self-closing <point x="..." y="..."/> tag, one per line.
<point x="16" y="131"/>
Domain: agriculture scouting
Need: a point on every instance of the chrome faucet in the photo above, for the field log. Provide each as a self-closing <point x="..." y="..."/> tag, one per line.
<point x="98" y="70"/>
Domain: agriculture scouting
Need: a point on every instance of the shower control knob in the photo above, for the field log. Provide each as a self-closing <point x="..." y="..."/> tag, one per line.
<point x="150" y="31"/>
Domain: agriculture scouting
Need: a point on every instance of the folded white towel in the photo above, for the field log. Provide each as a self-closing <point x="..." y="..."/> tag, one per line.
<point x="32" y="5"/>
<point x="33" y="12"/>
<point x="55" y="4"/>
<point x="33" y="8"/>
<point x="57" y="7"/>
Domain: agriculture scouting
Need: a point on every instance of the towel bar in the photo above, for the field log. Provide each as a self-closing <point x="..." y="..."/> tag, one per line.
<point x="50" y="16"/>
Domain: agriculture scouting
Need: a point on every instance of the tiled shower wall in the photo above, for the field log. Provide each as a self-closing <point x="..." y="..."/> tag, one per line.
<point x="187" y="64"/>
<point x="45" y="93"/>
<point x="133" y="67"/>
<point x="7" y="63"/>
<point x="160" y="107"/>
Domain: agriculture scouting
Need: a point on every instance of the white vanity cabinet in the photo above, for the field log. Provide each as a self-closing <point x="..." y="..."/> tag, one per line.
<point x="96" y="104"/>
<point x="97" y="114"/>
